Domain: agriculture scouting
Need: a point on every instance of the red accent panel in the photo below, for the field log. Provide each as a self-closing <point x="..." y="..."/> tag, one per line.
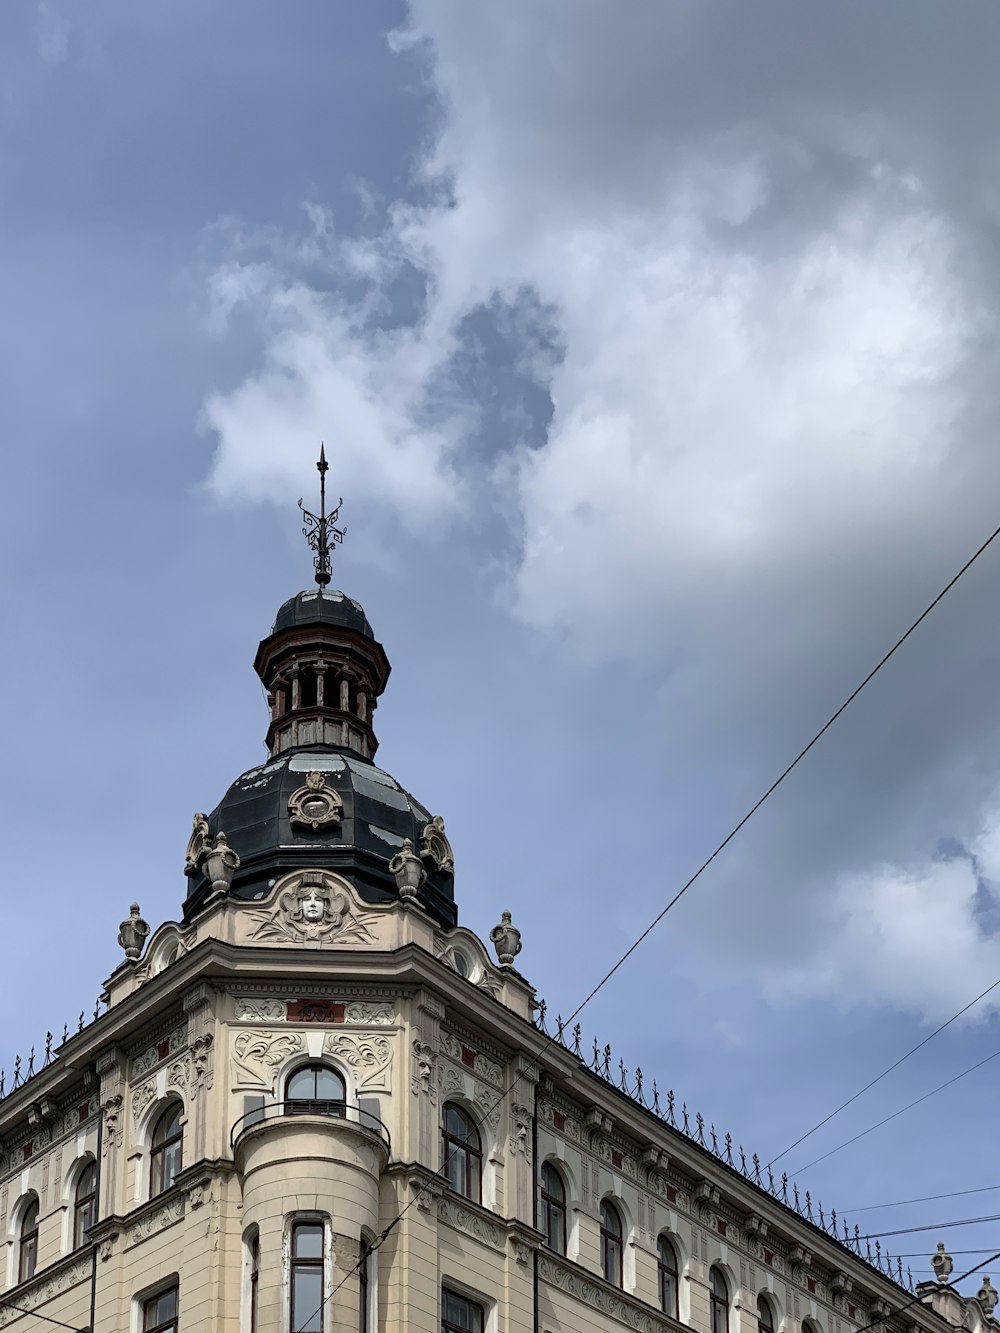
<point x="720" y="1224"/>
<point x="616" y="1157"/>
<point x="671" y="1194"/>
<point x="768" y="1257"/>
<point x="83" y="1112"/>
<point x="850" y="1310"/>
<point x="468" y="1057"/>
<point x="559" y="1120"/>
<point x="315" y="1011"/>
<point x="163" y="1050"/>
<point x="811" y="1283"/>
<point x="27" y="1150"/>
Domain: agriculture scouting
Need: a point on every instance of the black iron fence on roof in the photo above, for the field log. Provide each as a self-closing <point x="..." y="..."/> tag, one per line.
<point x="37" y="1060"/>
<point x="692" y="1125"/>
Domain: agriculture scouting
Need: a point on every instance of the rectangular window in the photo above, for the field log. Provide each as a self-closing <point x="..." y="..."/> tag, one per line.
<point x="459" y="1314"/>
<point x="159" y="1313"/>
<point x="306" y="1287"/>
<point x="254" y="1279"/>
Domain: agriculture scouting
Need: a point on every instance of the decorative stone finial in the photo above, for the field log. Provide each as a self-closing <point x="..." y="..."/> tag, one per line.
<point x="220" y="864"/>
<point x="987" y="1296"/>
<point x="132" y="934"/>
<point x="941" y="1263"/>
<point x="506" y="940"/>
<point x="409" y="871"/>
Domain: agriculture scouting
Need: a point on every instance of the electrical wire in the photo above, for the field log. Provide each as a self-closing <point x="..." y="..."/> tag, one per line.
<point x="925" y="1198"/>
<point x="913" y="1050"/>
<point x="551" y="1040"/>
<point x="908" y="1107"/>
<point x="47" y="1317"/>
<point x="933" y="1226"/>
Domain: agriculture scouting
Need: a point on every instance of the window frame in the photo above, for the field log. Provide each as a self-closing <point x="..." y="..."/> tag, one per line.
<point x="668" y="1272"/>
<point x="170" y="1325"/>
<point x="718" y="1301"/>
<point x="85" y="1205"/>
<point x="479" y="1312"/>
<point x="467" y="1150"/>
<point x="306" y="1263"/>
<point x="336" y="1106"/>
<point x="253" y="1277"/>
<point x="158" y="1152"/>
<point x="553" y="1207"/>
<point x="27" y="1240"/>
<point x="764" y="1303"/>
<point x="610" y="1241"/>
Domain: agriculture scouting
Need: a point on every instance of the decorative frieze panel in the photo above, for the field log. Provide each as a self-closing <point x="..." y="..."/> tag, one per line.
<point x="256" y="1056"/>
<point x="611" y="1303"/>
<point x="155" y="1221"/>
<point x="472" y="1223"/>
<point x="142" y="1099"/>
<point x="367" y="1013"/>
<point x="156" y="1054"/>
<point x="44" y="1290"/>
<point x="472" y="1059"/>
<point x="367" y="1055"/>
<point x="560" y="1121"/>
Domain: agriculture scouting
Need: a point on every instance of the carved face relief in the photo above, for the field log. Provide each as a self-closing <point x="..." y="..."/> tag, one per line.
<point x="312" y="906"/>
<point x="312" y="911"/>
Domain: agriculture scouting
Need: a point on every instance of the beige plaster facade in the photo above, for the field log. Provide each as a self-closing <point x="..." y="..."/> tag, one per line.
<point x="216" y="1018"/>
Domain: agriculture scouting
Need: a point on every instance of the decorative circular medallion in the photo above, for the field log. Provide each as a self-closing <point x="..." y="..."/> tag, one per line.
<point x="315" y="805"/>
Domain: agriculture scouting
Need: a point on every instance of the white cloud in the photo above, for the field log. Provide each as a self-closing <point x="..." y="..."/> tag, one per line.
<point x="764" y="328"/>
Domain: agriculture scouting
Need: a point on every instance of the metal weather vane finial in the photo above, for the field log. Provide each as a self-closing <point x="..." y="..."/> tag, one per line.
<point x="320" y="530"/>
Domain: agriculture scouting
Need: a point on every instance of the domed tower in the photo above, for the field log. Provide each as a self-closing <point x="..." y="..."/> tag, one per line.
<point x="319" y="801"/>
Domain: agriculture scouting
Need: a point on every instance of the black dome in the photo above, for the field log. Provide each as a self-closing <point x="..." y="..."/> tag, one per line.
<point x="325" y="606"/>
<point x="377" y="815"/>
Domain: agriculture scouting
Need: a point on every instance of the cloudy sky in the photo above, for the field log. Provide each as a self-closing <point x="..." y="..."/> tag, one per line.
<point x="654" y="349"/>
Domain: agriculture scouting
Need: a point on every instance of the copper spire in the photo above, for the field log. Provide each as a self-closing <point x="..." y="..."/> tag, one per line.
<point x="320" y="530"/>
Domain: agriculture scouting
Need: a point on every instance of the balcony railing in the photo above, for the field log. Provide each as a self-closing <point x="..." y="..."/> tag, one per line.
<point x="333" y="1110"/>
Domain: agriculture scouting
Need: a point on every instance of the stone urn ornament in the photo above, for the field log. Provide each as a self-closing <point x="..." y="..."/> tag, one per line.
<point x="220" y="864"/>
<point x="987" y="1296"/>
<point x="941" y="1262"/>
<point x="132" y="934"/>
<point x="506" y="939"/>
<point x="408" y="870"/>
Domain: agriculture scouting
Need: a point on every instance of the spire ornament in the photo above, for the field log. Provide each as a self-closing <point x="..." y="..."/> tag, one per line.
<point x="320" y="530"/>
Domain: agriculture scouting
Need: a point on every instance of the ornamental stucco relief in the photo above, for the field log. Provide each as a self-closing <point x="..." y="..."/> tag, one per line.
<point x="312" y="909"/>
<point x="45" y="1290"/>
<point x="256" y="1056"/>
<point x="143" y="1097"/>
<point x="161" y="1050"/>
<point x="368" y="1057"/>
<point x="464" y="1219"/>
<point x="158" y="1220"/>
<point x="480" y="1065"/>
<point x="608" y="1302"/>
<point x="260" y="1011"/>
<point x="422" y="1071"/>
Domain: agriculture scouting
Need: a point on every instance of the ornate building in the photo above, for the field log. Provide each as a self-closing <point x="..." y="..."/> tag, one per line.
<point x="317" y="1103"/>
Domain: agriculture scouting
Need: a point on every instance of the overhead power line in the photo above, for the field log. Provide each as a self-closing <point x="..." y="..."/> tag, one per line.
<point x="932" y="1226"/>
<point x="19" y="1309"/>
<point x="878" y="1079"/>
<point x="896" y="1114"/>
<point x="925" y="1198"/>
<point x="551" y="1040"/>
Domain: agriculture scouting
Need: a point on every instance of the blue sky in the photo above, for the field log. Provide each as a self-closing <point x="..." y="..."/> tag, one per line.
<point x="655" y="360"/>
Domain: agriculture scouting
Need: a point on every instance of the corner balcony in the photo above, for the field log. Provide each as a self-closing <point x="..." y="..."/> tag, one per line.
<point x="285" y="1149"/>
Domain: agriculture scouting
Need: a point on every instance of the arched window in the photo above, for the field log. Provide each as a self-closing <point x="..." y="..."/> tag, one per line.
<point x="611" y="1243"/>
<point x="27" y="1260"/>
<point x="462" y="1153"/>
<point x="166" y="1148"/>
<point x="719" y="1301"/>
<point x="159" y="1313"/>
<point x="765" y="1316"/>
<point x="84" y="1203"/>
<point x="666" y="1263"/>
<point x="553" y="1209"/>
<point x="315" y="1089"/>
